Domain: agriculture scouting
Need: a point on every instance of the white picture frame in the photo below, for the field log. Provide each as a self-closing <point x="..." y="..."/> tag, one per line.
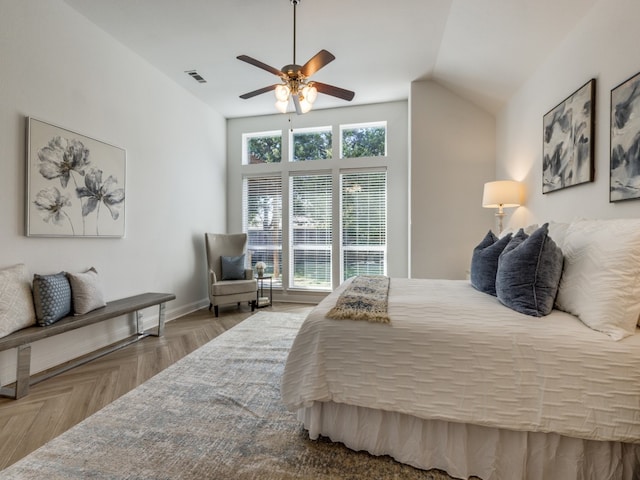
<point x="75" y="184"/>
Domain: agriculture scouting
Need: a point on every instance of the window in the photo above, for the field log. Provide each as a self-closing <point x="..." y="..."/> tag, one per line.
<point x="364" y="140"/>
<point x="334" y="225"/>
<point x="311" y="144"/>
<point x="311" y="214"/>
<point x="364" y="223"/>
<point x="265" y="147"/>
<point x="262" y="220"/>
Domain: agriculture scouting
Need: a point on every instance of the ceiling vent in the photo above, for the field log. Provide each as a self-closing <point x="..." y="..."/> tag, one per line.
<point x="195" y="75"/>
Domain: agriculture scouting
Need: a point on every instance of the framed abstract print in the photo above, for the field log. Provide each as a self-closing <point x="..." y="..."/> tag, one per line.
<point x="75" y="184"/>
<point x="624" y="179"/>
<point x="568" y="141"/>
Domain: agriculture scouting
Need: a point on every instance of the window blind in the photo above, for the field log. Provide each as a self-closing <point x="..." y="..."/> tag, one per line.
<point x="262" y="221"/>
<point x="364" y="223"/>
<point x="310" y="221"/>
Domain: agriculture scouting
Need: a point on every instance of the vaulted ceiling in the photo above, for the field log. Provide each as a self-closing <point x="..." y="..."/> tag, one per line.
<point x="481" y="49"/>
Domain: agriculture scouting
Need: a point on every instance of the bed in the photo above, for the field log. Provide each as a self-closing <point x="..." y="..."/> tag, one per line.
<point x="460" y="382"/>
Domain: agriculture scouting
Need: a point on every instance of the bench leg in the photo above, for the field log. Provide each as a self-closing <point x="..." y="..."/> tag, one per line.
<point x="161" y="316"/>
<point x="23" y="370"/>
<point x="139" y="325"/>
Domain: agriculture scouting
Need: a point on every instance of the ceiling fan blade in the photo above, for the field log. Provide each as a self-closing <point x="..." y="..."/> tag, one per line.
<point x="318" y="61"/>
<point x="259" y="91"/>
<point x="334" y="91"/>
<point x="259" y="64"/>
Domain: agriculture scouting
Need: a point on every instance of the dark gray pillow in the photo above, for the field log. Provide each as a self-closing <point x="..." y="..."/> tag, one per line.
<point x="51" y="297"/>
<point x="232" y="267"/>
<point x="484" y="262"/>
<point x="529" y="271"/>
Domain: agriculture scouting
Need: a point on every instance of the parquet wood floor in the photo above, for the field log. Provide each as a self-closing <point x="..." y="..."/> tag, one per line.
<point x="56" y="404"/>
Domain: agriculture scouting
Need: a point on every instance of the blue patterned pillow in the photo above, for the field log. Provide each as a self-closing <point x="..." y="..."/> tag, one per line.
<point x="529" y="271"/>
<point x="51" y="297"/>
<point x="232" y="267"/>
<point x="484" y="262"/>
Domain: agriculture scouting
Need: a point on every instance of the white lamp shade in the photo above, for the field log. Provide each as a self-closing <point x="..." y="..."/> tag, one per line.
<point x="282" y="106"/>
<point x="305" y="106"/>
<point x="502" y="193"/>
<point x="282" y="93"/>
<point x="310" y="93"/>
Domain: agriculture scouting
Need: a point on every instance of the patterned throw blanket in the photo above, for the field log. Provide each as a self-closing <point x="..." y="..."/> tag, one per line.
<point x="366" y="298"/>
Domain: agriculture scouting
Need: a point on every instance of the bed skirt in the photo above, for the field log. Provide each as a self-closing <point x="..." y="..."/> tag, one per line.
<point x="470" y="450"/>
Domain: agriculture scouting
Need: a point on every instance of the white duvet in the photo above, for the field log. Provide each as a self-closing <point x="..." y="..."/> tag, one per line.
<point x="453" y="353"/>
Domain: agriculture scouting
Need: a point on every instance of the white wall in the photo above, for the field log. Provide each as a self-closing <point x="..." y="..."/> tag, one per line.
<point x="452" y="156"/>
<point x="396" y="116"/>
<point x="60" y="68"/>
<point x="604" y="45"/>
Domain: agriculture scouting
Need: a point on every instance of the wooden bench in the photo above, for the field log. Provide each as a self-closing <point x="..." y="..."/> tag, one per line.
<point x="22" y="339"/>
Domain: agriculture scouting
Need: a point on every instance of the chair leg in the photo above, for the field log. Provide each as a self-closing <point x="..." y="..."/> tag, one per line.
<point x="253" y="305"/>
<point x="215" y="310"/>
<point x="210" y="305"/>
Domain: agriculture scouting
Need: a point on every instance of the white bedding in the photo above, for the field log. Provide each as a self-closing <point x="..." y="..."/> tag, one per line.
<point x="452" y="353"/>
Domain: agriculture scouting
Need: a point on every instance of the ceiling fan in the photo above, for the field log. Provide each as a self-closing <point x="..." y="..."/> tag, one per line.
<point x="295" y="84"/>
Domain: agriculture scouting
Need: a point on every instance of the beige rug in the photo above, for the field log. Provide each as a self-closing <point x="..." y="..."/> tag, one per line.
<point x="215" y="414"/>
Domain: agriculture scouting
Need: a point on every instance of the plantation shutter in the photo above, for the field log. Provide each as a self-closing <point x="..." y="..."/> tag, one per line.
<point x="364" y="223"/>
<point x="310" y="253"/>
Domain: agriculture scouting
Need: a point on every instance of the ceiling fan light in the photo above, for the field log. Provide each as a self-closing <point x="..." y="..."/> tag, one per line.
<point x="281" y="106"/>
<point x="310" y="93"/>
<point x="282" y="93"/>
<point x="305" y="105"/>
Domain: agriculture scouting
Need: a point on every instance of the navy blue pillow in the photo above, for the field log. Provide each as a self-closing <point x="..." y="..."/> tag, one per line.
<point x="232" y="267"/>
<point x="51" y="297"/>
<point x="529" y="271"/>
<point x="484" y="262"/>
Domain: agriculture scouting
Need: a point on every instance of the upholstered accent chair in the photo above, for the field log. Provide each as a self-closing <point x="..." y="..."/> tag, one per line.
<point x="233" y="285"/>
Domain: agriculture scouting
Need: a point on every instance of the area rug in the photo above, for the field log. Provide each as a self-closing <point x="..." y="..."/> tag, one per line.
<point x="215" y="414"/>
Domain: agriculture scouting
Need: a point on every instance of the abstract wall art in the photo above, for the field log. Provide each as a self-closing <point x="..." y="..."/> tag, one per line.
<point x="625" y="141"/>
<point x="75" y="184"/>
<point x="568" y="141"/>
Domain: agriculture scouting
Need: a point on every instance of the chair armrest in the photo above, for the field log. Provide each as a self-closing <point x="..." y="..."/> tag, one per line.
<point x="248" y="273"/>
<point x="212" y="277"/>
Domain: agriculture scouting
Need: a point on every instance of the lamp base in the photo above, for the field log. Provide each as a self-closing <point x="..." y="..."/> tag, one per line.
<point x="500" y="215"/>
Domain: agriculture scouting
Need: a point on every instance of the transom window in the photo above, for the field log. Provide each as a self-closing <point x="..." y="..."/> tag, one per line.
<point x="311" y="144"/>
<point x="363" y="140"/>
<point x="265" y="147"/>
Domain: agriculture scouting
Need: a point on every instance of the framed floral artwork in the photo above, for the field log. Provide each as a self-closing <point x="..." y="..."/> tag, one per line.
<point x="568" y="140"/>
<point x="75" y="184"/>
<point x="625" y="141"/>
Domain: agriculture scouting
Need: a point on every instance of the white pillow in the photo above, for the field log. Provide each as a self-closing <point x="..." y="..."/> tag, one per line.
<point x="601" y="279"/>
<point x="558" y="232"/>
<point x="16" y="301"/>
<point x="86" y="291"/>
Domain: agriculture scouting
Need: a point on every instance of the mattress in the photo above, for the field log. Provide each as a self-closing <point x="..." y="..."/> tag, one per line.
<point x="454" y="354"/>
